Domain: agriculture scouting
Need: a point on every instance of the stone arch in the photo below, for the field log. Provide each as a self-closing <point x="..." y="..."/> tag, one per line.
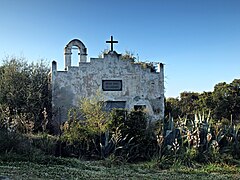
<point x="82" y="52"/>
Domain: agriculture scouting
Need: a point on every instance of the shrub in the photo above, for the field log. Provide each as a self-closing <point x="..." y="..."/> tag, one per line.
<point x="44" y="142"/>
<point x="24" y="91"/>
<point x="140" y="143"/>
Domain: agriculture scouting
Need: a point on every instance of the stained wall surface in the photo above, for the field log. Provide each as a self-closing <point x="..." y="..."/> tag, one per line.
<point x="139" y="86"/>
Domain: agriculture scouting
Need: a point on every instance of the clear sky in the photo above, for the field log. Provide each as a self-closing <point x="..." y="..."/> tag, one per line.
<point x="197" y="40"/>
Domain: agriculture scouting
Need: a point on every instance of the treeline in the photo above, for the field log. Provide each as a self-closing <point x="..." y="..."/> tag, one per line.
<point x="223" y="103"/>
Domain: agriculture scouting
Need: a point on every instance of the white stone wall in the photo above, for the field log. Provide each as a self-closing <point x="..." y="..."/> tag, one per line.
<point x="139" y="85"/>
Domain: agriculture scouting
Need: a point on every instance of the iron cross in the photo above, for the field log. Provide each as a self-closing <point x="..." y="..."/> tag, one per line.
<point x="111" y="42"/>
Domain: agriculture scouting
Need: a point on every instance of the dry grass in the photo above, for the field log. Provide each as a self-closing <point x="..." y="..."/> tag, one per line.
<point x="76" y="169"/>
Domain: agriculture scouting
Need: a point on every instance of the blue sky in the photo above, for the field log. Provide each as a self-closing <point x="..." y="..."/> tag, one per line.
<point x="197" y="40"/>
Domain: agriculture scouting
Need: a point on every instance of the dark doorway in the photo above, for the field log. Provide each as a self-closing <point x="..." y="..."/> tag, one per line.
<point x="109" y="105"/>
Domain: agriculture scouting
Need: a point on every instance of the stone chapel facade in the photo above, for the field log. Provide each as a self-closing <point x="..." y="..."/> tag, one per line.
<point x="121" y="82"/>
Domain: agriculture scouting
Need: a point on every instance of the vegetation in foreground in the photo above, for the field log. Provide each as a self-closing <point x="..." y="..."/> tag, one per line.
<point x="61" y="168"/>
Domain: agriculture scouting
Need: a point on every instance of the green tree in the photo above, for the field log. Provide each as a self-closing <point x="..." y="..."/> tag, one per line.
<point x="92" y="110"/>
<point x="226" y="98"/>
<point x="172" y="108"/>
<point x="206" y="102"/>
<point x="87" y="128"/>
<point x="188" y="103"/>
<point x="24" y="88"/>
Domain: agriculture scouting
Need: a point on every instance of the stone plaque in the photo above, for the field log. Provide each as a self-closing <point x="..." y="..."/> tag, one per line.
<point x="112" y="85"/>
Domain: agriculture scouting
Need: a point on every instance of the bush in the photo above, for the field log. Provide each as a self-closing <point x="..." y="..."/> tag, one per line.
<point x="46" y="143"/>
<point x="9" y="141"/>
<point x="24" y="90"/>
<point x="140" y="143"/>
<point x="94" y="133"/>
<point x="16" y="143"/>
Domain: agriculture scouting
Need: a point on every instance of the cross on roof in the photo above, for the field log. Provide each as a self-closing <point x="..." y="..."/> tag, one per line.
<point x="111" y="42"/>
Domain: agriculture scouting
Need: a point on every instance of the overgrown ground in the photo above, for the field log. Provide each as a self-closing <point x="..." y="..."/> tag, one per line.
<point x="62" y="168"/>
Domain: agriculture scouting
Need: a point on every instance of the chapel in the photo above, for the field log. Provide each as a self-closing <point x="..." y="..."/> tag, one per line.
<point x="121" y="82"/>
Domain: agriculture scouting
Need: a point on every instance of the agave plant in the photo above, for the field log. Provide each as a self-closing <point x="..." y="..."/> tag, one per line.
<point x="110" y="146"/>
<point x="117" y="145"/>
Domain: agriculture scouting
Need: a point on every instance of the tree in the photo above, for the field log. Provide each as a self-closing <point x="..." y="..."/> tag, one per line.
<point x="95" y="117"/>
<point x="24" y="88"/>
<point x="223" y="102"/>
<point x="172" y="107"/>
<point x="226" y="98"/>
<point x="205" y="101"/>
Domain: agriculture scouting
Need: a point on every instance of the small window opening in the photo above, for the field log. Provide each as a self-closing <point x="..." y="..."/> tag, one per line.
<point x="139" y="107"/>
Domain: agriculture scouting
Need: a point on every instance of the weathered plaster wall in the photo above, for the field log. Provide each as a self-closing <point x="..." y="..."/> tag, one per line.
<point x="139" y="86"/>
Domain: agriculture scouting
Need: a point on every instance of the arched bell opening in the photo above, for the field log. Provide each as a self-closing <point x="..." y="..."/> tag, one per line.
<point x="71" y="48"/>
